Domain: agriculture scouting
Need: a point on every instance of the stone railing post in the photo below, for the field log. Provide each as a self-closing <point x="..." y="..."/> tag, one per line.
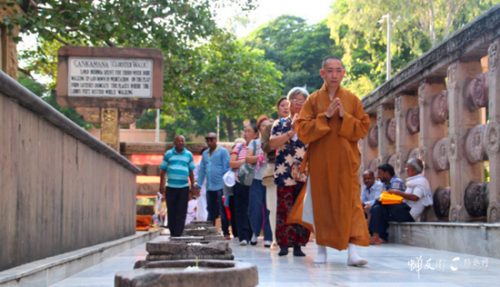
<point x="369" y="147"/>
<point x="407" y="128"/>
<point x="493" y="131"/>
<point x="386" y="124"/>
<point x="433" y="133"/>
<point x="461" y="119"/>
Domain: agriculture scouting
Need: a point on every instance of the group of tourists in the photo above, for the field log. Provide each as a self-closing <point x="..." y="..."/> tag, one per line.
<point x="292" y="176"/>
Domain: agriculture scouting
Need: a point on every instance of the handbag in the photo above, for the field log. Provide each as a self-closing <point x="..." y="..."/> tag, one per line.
<point x="387" y="198"/>
<point x="246" y="172"/>
<point x="268" y="177"/>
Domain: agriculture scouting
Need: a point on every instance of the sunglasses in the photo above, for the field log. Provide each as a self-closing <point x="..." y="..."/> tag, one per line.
<point x="209" y="139"/>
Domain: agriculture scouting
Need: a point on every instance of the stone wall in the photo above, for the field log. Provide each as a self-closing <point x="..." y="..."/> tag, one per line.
<point x="444" y="108"/>
<point x="60" y="188"/>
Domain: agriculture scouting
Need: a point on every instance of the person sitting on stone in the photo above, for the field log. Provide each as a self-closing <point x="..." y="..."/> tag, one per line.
<point x="416" y="197"/>
<point x="387" y="176"/>
<point x="371" y="191"/>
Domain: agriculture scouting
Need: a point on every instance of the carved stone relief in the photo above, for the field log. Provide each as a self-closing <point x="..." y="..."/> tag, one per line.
<point x="474" y="148"/>
<point x="455" y="213"/>
<point x="492" y="138"/>
<point x="390" y="130"/>
<point x="476" y="199"/>
<point x="413" y="120"/>
<point x="452" y="148"/>
<point x="494" y="212"/>
<point x="441" y="202"/>
<point x="439" y="108"/>
<point x="392" y="160"/>
<point x="477" y="92"/>
<point x="373" y="136"/>
<point x="440" y="155"/>
<point x="373" y="164"/>
<point x="492" y="57"/>
<point x="414" y="153"/>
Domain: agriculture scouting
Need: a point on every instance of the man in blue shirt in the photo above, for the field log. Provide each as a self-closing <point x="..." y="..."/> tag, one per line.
<point x="391" y="182"/>
<point x="178" y="165"/>
<point x="389" y="179"/>
<point x="371" y="190"/>
<point x="213" y="165"/>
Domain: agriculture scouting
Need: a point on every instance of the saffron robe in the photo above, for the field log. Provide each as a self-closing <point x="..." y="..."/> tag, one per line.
<point x="333" y="164"/>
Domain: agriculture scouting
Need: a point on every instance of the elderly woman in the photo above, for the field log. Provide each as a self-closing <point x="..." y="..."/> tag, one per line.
<point x="416" y="197"/>
<point x="257" y="211"/>
<point x="288" y="180"/>
<point x="241" y="191"/>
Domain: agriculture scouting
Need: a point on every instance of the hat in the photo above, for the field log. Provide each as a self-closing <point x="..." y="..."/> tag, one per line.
<point x="229" y="178"/>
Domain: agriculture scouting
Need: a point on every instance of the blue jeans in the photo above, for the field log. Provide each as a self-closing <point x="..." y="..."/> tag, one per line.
<point x="258" y="214"/>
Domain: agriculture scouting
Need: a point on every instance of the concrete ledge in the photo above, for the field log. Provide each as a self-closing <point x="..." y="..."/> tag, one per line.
<point x="56" y="268"/>
<point x="481" y="239"/>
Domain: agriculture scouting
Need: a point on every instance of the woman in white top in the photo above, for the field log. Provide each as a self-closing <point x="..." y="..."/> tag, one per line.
<point x="417" y="196"/>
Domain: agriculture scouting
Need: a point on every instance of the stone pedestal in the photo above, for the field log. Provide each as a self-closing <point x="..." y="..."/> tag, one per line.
<point x="492" y="138"/>
<point x="170" y="250"/>
<point x="461" y="119"/>
<point x="386" y="124"/>
<point x="406" y="131"/>
<point x="191" y="273"/>
<point x="110" y="128"/>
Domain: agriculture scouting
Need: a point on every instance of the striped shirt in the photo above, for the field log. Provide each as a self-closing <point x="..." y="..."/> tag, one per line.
<point x="177" y="166"/>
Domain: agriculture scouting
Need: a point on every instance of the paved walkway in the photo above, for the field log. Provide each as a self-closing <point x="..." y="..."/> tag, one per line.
<point x="389" y="265"/>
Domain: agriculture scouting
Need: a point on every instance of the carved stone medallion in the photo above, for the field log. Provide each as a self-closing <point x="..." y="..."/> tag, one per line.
<point x="413" y="120"/>
<point x="390" y="130"/>
<point x="439" y="108"/>
<point x="476" y="199"/>
<point x="441" y="202"/>
<point x="440" y="155"/>
<point x="477" y="93"/>
<point x="474" y="148"/>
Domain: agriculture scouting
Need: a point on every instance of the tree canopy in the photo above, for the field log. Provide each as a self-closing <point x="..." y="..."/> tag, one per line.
<point x="416" y="26"/>
<point x="297" y="49"/>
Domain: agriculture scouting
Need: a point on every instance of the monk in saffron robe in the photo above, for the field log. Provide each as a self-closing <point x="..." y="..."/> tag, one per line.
<point x="332" y="121"/>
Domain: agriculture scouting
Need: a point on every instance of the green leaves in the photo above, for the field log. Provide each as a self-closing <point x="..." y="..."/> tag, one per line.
<point x="296" y="48"/>
<point x="416" y="26"/>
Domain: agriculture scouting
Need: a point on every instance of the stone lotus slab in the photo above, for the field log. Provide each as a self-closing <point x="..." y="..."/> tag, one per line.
<point x="200" y="231"/>
<point x="208" y="273"/>
<point x="196" y="224"/>
<point x="202" y="239"/>
<point x="173" y="248"/>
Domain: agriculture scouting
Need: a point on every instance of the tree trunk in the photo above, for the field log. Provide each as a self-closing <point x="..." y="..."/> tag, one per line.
<point x="229" y="128"/>
<point x="432" y="17"/>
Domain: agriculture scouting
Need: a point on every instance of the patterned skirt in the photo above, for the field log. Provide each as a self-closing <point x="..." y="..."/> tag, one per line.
<point x="289" y="235"/>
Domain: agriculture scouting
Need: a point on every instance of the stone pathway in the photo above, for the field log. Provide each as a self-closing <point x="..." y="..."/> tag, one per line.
<point x="389" y="265"/>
